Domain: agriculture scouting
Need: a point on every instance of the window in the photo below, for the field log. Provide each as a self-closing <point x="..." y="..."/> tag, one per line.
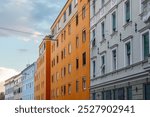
<point x="146" y="48"/>
<point x="84" y="58"/>
<point x="69" y="48"/>
<point x="119" y="94"/>
<point x="77" y="42"/>
<point x="64" y="34"/>
<point x="64" y="71"/>
<point x="93" y="38"/>
<point x="58" y="24"/>
<point x="103" y="30"/>
<point x="84" y="83"/>
<point x="77" y="19"/>
<point x="77" y="86"/>
<point x="69" y="68"/>
<point x="64" y="16"/>
<point x="62" y="37"/>
<point x="75" y="3"/>
<point x="57" y="76"/>
<point x="94" y="7"/>
<point x="94" y="96"/>
<point x="94" y="67"/>
<point x="83" y="12"/>
<point x="69" y="89"/>
<point x="77" y="63"/>
<point x="114" y="22"/>
<point x="54" y="62"/>
<point x="69" y="29"/>
<point x="102" y="2"/>
<point x="64" y="52"/>
<point x="64" y="90"/>
<point x="103" y="64"/>
<point x="57" y="59"/>
<point x="129" y="93"/>
<point x="147" y="91"/>
<point x="84" y="35"/>
<point x="114" y="59"/>
<point x="57" y="43"/>
<point x="127" y="11"/>
<point x="70" y="9"/>
<point x="107" y="95"/>
<point x="128" y="53"/>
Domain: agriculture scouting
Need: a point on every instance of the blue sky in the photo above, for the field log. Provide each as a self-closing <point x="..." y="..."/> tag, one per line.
<point x="34" y="16"/>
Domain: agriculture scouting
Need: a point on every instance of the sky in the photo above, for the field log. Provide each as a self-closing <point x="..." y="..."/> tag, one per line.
<point x="19" y="49"/>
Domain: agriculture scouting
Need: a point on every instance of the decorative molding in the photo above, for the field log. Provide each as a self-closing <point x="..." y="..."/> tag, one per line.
<point x="127" y="38"/>
<point x="115" y="45"/>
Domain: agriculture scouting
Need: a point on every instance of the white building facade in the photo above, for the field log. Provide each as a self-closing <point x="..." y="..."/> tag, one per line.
<point x="9" y="89"/>
<point x="18" y="87"/>
<point x="120" y="47"/>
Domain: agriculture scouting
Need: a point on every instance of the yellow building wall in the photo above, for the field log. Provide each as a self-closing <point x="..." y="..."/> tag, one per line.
<point x="82" y="71"/>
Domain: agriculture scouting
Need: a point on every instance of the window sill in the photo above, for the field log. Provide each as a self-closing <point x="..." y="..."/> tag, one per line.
<point x="127" y="24"/>
<point x="114" y="33"/>
<point x="103" y="40"/>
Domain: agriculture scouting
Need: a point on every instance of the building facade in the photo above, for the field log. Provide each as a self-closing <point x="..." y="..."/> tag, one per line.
<point x="42" y="73"/>
<point x="9" y="89"/>
<point x="18" y="87"/>
<point x="120" y="47"/>
<point x="2" y="96"/>
<point x="28" y="82"/>
<point x="70" y="57"/>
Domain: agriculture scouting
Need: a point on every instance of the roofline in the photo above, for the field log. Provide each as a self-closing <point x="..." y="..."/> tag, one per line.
<point x="28" y="67"/>
<point x="60" y="13"/>
<point x="12" y="78"/>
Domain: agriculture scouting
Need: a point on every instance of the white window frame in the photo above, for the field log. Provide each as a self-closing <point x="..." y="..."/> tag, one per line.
<point x="125" y="57"/>
<point x="124" y="16"/>
<point x="112" y="69"/>
<point x="141" y="43"/>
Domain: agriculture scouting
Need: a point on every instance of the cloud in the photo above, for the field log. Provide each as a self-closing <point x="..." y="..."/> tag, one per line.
<point x="29" y="16"/>
<point x="6" y="73"/>
<point x="23" y="50"/>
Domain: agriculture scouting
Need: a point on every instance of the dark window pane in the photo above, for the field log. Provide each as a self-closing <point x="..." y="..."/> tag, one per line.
<point x="129" y="93"/>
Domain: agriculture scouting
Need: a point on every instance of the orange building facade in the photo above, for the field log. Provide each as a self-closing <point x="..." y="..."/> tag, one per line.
<point x="42" y="73"/>
<point x="70" y="54"/>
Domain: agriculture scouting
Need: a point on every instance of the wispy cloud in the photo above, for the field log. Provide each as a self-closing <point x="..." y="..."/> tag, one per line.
<point x="6" y="73"/>
<point x="23" y="50"/>
<point x="29" y="16"/>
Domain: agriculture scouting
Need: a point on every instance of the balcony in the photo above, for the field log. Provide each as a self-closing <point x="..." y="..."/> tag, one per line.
<point x="145" y="8"/>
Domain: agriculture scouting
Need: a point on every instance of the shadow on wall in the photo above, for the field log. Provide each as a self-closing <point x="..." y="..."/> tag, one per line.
<point x="2" y="96"/>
